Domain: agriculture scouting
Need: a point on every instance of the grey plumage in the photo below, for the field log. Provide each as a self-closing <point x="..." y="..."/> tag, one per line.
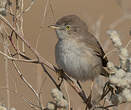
<point x="77" y="51"/>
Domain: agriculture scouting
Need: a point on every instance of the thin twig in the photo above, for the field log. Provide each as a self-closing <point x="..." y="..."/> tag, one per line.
<point x="6" y="71"/>
<point x="24" y="80"/>
<point x="68" y="96"/>
<point x="21" y="96"/>
<point x="26" y="9"/>
<point x="21" y="25"/>
<point x="15" y="59"/>
<point x="44" y="61"/>
<point x="120" y="20"/>
<point x="127" y="45"/>
<point x="42" y="22"/>
<point x="27" y="83"/>
<point x="109" y="53"/>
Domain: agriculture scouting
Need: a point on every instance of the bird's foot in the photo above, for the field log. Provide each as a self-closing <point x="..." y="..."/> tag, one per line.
<point x="59" y="73"/>
<point x="60" y="76"/>
<point x="89" y="99"/>
<point x="89" y="104"/>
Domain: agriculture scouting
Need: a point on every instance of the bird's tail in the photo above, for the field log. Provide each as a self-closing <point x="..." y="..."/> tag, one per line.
<point x="105" y="61"/>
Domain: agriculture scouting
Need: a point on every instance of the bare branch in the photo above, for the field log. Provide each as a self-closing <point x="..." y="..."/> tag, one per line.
<point x="42" y="22"/>
<point x="15" y="59"/>
<point x="43" y="62"/>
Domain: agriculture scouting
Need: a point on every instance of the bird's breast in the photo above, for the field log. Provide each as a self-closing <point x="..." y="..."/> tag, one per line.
<point x="75" y="60"/>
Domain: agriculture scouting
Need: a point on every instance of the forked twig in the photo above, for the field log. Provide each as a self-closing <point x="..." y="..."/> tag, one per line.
<point x="43" y="61"/>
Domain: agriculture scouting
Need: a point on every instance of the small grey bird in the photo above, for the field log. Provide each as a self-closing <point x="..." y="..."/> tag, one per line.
<point x="77" y="51"/>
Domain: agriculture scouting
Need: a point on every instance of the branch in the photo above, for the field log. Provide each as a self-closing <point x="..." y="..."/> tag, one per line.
<point x="27" y="83"/>
<point x="43" y="61"/>
<point x="15" y="59"/>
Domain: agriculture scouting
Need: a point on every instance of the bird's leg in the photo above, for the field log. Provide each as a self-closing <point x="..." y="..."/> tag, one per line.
<point x="89" y="104"/>
<point x="91" y="88"/>
<point x="90" y="95"/>
<point x="82" y="91"/>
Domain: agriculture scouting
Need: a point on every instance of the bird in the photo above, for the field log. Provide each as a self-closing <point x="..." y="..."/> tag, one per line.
<point x="77" y="52"/>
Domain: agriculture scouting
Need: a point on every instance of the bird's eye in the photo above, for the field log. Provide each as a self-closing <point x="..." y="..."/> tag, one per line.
<point x="67" y="27"/>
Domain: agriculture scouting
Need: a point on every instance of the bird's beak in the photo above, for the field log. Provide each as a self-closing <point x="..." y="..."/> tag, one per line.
<point x="54" y="27"/>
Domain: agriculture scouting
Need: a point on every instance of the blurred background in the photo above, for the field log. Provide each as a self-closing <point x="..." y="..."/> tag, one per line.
<point x="100" y="15"/>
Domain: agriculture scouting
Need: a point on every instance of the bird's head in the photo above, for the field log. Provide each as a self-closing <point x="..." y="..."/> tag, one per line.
<point x="69" y="26"/>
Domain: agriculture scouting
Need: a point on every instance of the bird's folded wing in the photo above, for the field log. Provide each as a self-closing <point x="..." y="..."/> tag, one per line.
<point x="91" y="42"/>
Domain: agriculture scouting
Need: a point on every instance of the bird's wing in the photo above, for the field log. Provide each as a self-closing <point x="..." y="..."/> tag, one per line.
<point x="91" y="42"/>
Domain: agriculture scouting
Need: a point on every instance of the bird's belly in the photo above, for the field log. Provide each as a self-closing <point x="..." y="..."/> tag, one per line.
<point x="74" y="62"/>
